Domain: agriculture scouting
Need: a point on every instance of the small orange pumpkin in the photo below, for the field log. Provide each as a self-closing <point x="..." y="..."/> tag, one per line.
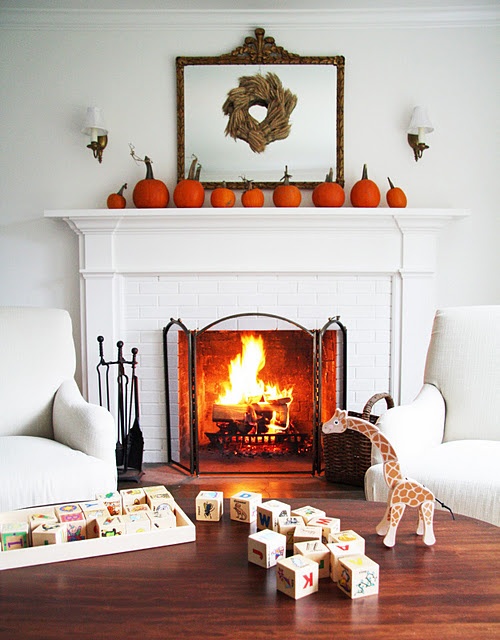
<point x="328" y="193"/>
<point x="286" y="194"/>
<point x="117" y="200"/>
<point x="150" y="193"/>
<point x="396" y="197"/>
<point x="189" y="193"/>
<point x="222" y="197"/>
<point x="365" y="192"/>
<point x="252" y="196"/>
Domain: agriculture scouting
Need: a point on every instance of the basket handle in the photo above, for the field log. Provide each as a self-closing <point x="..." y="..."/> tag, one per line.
<point x="369" y="405"/>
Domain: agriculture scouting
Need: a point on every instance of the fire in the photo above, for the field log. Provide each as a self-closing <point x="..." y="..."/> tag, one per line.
<point x="245" y="385"/>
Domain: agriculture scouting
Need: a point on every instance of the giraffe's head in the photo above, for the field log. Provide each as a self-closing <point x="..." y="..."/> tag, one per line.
<point x="337" y="423"/>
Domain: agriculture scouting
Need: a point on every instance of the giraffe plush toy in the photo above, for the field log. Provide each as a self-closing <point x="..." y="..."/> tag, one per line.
<point x="402" y="492"/>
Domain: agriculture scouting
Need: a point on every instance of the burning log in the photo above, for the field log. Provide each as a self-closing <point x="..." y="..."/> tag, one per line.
<point x="261" y="415"/>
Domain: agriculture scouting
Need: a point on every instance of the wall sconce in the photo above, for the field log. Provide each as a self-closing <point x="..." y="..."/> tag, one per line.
<point x="95" y="128"/>
<point x="419" y="126"/>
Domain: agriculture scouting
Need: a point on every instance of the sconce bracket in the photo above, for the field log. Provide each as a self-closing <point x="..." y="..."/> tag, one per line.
<point x="98" y="147"/>
<point x="418" y="147"/>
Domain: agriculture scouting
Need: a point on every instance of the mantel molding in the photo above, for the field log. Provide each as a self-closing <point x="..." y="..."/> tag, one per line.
<point x="231" y="19"/>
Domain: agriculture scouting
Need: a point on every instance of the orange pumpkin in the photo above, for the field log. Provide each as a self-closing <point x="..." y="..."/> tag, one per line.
<point x="117" y="200"/>
<point x="150" y="193"/>
<point x="286" y="194"/>
<point x="189" y="193"/>
<point x="252" y="196"/>
<point x="328" y="193"/>
<point x="365" y="192"/>
<point x="222" y="197"/>
<point x="396" y="197"/>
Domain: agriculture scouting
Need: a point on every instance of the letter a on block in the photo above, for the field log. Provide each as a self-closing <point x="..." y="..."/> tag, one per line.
<point x="308" y="581"/>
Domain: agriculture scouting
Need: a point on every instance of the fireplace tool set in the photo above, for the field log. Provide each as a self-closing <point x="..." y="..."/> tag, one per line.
<point x="125" y="397"/>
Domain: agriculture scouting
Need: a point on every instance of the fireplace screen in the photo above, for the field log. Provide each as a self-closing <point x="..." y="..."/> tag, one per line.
<point x="248" y="393"/>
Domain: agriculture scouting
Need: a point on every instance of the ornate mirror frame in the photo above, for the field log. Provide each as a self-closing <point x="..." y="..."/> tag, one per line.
<point x="261" y="50"/>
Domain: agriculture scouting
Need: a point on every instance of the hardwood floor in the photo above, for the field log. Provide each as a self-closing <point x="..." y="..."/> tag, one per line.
<point x="186" y="487"/>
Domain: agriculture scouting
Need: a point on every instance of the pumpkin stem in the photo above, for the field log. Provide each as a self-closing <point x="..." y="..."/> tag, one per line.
<point x="192" y="168"/>
<point x="329" y="176"/>
<point x="198" y="171"/>
<point x="365" y="173"/>
<point x="149" y="168"/>
<point x="286" y="177"/>
<point x="120" y="192"/>
<point x="390" y="183"/>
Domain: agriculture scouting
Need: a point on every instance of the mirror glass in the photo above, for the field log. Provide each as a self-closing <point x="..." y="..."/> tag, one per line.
<point x="308" y="139"/>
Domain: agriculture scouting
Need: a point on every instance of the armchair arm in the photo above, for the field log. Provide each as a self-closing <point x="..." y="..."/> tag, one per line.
<point x="83" y="426"/>
<point x="416" y="427"/>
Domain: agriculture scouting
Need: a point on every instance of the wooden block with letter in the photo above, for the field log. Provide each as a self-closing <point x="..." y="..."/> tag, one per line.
<point x="49" y="533"/>
<point x="269" y="512"/>
<point x="317" y="551"/>
<point x="304" y="533"/>
<point x="287" y="526"/>
<point x="243" y="506"/>
<point x="265" y="547"/>
<point x="209" y="505"/>
<point x="297" y="576"/>
<point x="14" y="535"/>
<point x="328" y="526"/>
<point x="344" y="543"/>
<point x="308" y="513"/>
<point x="72" y="516"/>
<point x="359" y="576"/>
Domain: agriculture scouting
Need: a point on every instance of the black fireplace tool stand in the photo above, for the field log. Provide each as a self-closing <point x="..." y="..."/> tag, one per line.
<point x="130" y="441"/>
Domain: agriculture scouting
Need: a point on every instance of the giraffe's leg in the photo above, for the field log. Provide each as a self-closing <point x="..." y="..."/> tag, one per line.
<point x="426" y="510"/>
<point x="421" y="522"/>
<point x="383" y="526"/>
<point x="396" y="514"/>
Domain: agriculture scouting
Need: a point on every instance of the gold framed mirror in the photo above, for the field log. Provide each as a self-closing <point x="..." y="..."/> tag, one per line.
<point x="280" y="109"/>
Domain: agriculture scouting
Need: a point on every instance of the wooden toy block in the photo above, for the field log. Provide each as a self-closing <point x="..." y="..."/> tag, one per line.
<point x="91" y="517"/>
<point x="297" y="576"/>
<point x="305" y="533"/>
<point x="265" y="547"/>
<point x="345" y="543"/>
<point x="132" y="497"/>
<point x="159" y="499"/>
<point x="14" y="535"/>
<point x="286" y="525"/>
<point x="328" y="526"/>
<point x="113" y="502"/>
<point x="72" y="516"/>
<point x="44" y="515"/>
<point x="308" y="513"/>
<point x="110" y="526"/>
<point x="136" y="508"/>
<point x="49" y="533"/>
<point x="269" y="512"/>
<point x="163" y="518"/>
<point x="359" y="576"/>
<point x="316" y="551"/>
<point x="136" y="522"/>
<point x="157" y="488"/>
<point x="243" y="506"/>
<point x="209" y="505"/>
<point x="92" y="505"/>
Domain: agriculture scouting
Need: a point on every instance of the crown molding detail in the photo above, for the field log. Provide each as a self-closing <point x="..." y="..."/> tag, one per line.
<point x="218" y="19"/>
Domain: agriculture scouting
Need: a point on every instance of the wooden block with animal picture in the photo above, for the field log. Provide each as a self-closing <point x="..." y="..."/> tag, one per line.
<point x="359" y="576"/>
<point x="343" y="544"/>
<point x="297" y="576"/>
<point x="308" y="513"/>
<point x="210" y="505"/>
<point x="265" y="547"/>
<point x="287" y="526"/>
<point x="243" y="506"/>
<point x="269" y="512"/>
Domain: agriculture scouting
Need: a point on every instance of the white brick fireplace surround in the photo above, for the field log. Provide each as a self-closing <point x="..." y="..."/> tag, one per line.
<point x="375" y="268"/>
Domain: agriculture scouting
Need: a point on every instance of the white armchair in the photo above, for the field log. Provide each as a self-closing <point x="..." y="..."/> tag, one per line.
<point x="448" y="438"/>
<point x="54" y="446"/>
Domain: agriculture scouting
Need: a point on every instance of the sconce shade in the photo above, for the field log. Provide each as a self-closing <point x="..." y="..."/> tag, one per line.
<point x="420" y="121"/>
<point x="94" y="122"/>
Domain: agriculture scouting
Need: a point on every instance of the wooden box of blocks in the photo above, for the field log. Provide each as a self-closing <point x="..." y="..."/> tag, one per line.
<point x="265" y="547"/>
<point x="209" y="505"/>
<point x="17" y="556"/>
<point x="243" y="506"/>
<point x="297" y="576"/>
<point x="359" y="576"/>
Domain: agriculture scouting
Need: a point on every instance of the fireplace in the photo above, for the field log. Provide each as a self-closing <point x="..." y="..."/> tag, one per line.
<point x="251" y="400"/>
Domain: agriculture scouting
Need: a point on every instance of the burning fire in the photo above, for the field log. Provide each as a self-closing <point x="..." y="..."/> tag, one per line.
<point x="245" y="387"/>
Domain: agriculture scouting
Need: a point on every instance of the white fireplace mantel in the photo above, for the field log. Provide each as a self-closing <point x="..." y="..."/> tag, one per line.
<point x="399" y="242"/>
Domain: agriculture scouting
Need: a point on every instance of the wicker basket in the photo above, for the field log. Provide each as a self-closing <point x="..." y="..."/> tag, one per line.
<point x="347" y="455"/>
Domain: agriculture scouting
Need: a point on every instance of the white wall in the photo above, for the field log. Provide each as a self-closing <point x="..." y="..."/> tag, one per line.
<point x="54" y="64"/>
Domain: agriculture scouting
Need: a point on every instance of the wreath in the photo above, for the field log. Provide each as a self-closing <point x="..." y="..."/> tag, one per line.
<point x="261" y="91"/>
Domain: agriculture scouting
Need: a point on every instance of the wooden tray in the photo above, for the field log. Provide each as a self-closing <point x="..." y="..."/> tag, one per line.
<point x="185" y="531"/>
